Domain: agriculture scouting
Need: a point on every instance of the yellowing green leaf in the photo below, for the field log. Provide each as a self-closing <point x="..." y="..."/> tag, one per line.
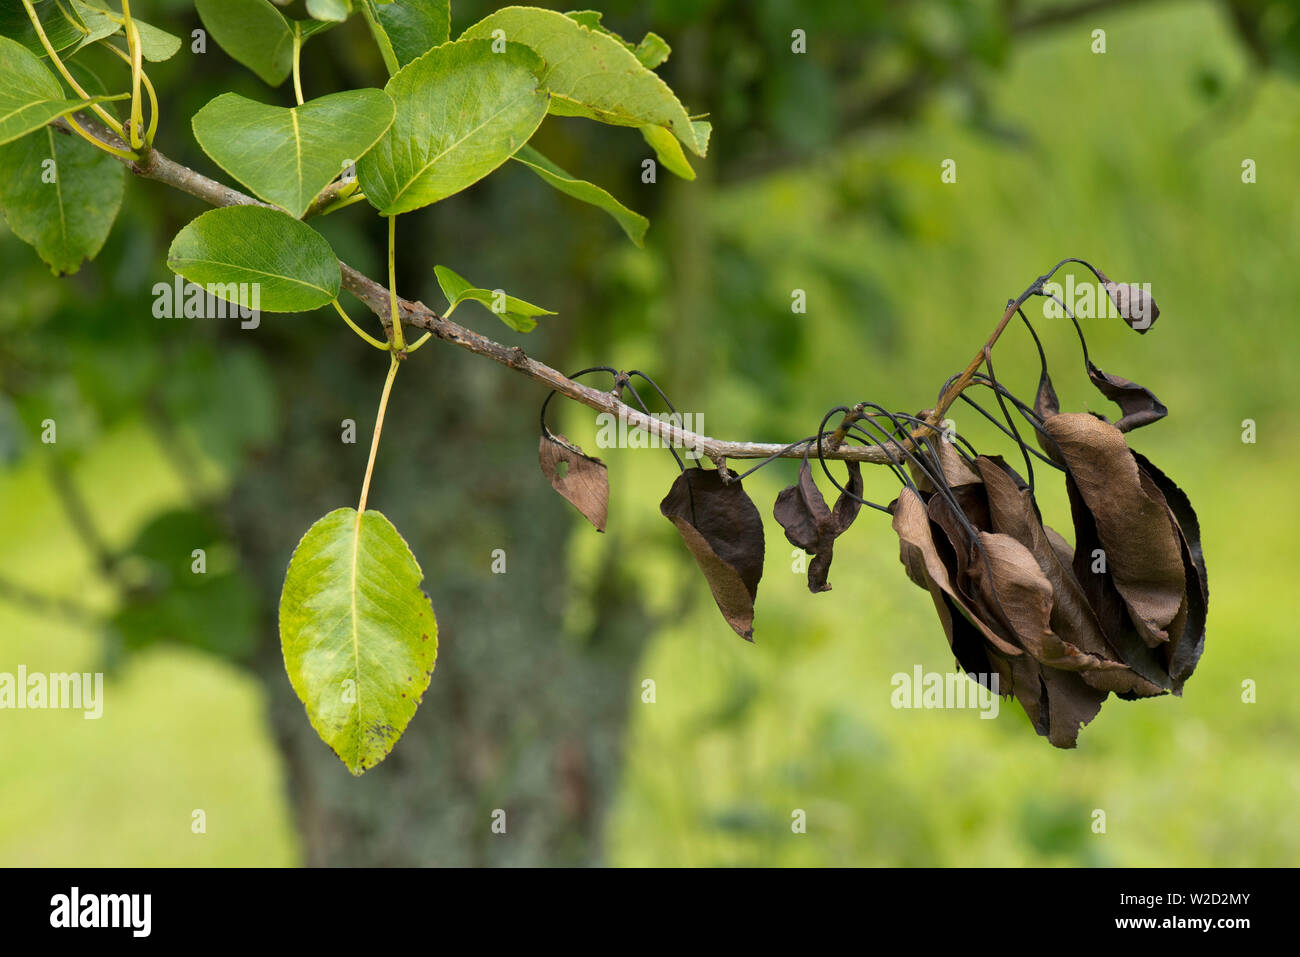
<point x="669" y="150"/>
<point x="592" y="73"/>
<point x="358" y="634"/>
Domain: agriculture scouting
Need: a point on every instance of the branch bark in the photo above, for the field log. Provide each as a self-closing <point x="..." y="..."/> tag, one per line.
<point x="155" y="166"/>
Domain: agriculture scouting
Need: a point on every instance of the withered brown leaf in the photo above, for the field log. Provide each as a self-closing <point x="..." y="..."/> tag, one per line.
<point x="1142" y="554"/>
<point x="1184" y="651"/>
<point x="809" y="524"/>
<point x="1138" y="405"/>
<point x="581" y="479"/>
<point x="724" y="531"/>
<point x="953" y="468"/>
<point x="1046" y="402"/>
<point x="1108" y="604"/>
<point x="1132" y="302"/>
<point x="920" y="555"/>
<point x="1077" y="641"/>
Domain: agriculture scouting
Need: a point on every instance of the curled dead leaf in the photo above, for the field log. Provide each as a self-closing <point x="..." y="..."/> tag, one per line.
<point x="1138" y="540"/>
<point x="1138" y="405"/>
<point x="809" y="524"/>
<point x="1184" y="651"/>
<point x="1133" y="302"/>
<point x="724" y="531"/>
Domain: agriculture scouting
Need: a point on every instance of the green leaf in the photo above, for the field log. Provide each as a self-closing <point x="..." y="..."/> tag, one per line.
<point x="592" y="73"/>
<point x="290" y="264"/>
<point x="288" y="155"/>
<point x="358" y="634"/>
<point x="62" y="31"/>
<point x="30" y="96"/>
<point x="98" y="24"/>
<point x="669" y="150"/>
<point x="462" y="111"/>
<point x="703" y="131"/>
<point x="61" y="195"/>
<point x="336" y="10"/>
<point x="254" y="33"/>
<point x="101" y="21"/>
<point x="634" y="224"/>
<point x="156" y="45"/>
<point x="515" y="313"/>
<point x="414" y="27"/>
<point x="370" y="10"/>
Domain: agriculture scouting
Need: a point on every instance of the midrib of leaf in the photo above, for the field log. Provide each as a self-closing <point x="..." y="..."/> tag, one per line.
<point x="73" y="108"/>
<point x="58" y="190"/>
<point x="260" y="272"/>
<point x="356" y="639"/>
<point x="600" y="110"/>
<point x="29" y="106"/>
<point x="297" y="148"/>
<point x="425" y="168"/>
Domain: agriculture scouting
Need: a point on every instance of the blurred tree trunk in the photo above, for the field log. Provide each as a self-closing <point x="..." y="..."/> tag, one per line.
<point x="521" y="715"/>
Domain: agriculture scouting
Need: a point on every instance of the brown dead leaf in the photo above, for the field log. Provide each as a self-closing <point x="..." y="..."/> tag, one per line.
<point x="581" y="479"/>
<point x="1142" y="553"/>
<point x="809" y="524"/>
<point x="723" y="530"/>
<point x="1076" y="641"/>
<point x="1138" y="406"/>
<point x="1133" y="303"/>
<point x="1109" y="606"/>
<point x="1185" y="650"/>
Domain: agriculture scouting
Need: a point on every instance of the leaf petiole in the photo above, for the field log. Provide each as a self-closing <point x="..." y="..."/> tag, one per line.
<point x="149" y="91"/>
<point x="399" y="343"/>
<point x="379" y="426"/>
<point x="97" y="143"/>
<point x="418" y="342"/>
<point x="102" y="113"/>
<point x="297" y="59"/>
<point x="137" y="68"/>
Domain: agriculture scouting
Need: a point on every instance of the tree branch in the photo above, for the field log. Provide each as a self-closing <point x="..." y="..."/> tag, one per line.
<point x="155" y="166"/>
